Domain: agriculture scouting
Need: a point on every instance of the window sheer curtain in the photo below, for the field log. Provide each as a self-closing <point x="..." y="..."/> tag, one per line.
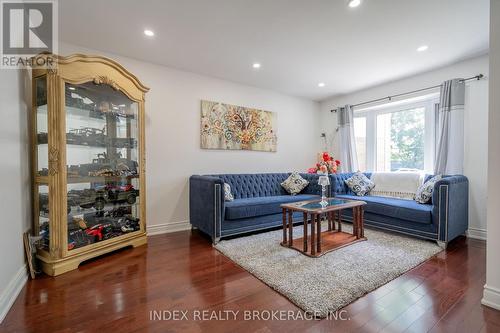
<point x="450" y="128"/>
<point x="347" y="144"/>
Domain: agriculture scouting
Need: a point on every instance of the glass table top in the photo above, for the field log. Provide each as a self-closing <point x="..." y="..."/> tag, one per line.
<point x="317" y="204"/>
<point x="320" y="205"/>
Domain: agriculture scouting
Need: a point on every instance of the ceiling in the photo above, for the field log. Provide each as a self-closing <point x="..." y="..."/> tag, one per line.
<point x="298" y="42"/>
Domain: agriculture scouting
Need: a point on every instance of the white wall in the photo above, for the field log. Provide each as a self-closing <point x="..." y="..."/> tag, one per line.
<point x="15" y="185"/>
<point x="492" y="288"/>
<point x="476" y="124"/>
<point x="173" y="135"/>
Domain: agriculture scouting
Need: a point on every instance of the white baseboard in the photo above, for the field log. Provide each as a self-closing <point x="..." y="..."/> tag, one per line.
<point x="157" y="229"/>
<point x="476" y="233"/>
<point x="491" y="297"/>
<point x="9" y="295"/>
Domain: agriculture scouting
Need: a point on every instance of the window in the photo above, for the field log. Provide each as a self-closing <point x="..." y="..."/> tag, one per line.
<point x="397" y="136"/>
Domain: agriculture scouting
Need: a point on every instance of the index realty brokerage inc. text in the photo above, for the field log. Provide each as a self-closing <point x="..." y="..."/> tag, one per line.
<point x="246" y="315"/>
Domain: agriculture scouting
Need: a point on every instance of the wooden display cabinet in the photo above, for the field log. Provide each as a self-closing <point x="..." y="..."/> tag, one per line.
<point x="89" y="188"/>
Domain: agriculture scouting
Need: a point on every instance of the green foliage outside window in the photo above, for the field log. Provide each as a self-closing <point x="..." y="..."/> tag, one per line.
<point x="407" y="137"/>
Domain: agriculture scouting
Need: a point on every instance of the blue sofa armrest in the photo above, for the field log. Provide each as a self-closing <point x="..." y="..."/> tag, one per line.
<point x="450" y="199"/>
<point x="206" y="204"/>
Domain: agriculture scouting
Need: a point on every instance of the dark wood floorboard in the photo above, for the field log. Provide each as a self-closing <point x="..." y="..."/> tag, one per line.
<point x="181" y="271"/>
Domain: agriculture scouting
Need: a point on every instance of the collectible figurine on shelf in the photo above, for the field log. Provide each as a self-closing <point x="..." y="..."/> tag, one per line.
<point x="105" y="166"/>
<point x="119" y="212"/>
<point x="43" y="172"/>
<point x="79" y="238"/>
<point x="104" y="107"/>
<point x="80" y="221"/>
<point x="42" y="138"/>
<point x="102" y="173"/>
<point x="44" y="233"/>
<point x="96" y="232"/>
<point x="129" y="223"/>
<point x="121" y="142"/>
<point x="86" y="136"/>
<point x="72" y="171"/>
<point x="43" y="203"/>
<point x="99" y="197"/>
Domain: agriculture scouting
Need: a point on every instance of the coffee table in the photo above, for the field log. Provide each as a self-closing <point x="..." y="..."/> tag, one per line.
<point x="318" y="243"/>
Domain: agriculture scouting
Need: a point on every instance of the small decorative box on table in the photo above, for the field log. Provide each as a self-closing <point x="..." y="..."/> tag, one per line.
<point x="318" y="243"/>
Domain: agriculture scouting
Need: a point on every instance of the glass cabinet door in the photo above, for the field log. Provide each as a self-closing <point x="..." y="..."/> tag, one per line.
<point x="41" y="162"/>
<point x="102" y="155"/>
<point x="41" y="127"/>
<point x="42" y="216"/>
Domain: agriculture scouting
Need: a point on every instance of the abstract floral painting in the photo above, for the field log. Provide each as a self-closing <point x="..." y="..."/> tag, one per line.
<point x="226" y="126"/>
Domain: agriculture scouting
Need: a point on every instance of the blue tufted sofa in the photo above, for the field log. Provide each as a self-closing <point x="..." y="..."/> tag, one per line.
<point x="258" y="198"/>
<point x="256" y="204"/>
<point x="445" y="218"/>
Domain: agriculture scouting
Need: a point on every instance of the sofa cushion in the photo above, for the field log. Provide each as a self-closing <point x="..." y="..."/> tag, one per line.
<point x="294" y="183"/>
<point x="403" y="209"/>
<point x="424" y="191"/>
<point x="228" y="196"/>
<point x="360" y="184"/>
<point x="251" y="207"/>
<point x="339" y="185"/>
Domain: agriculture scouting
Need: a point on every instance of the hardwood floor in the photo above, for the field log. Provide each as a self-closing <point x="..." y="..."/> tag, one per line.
<point x="181" y="271"/>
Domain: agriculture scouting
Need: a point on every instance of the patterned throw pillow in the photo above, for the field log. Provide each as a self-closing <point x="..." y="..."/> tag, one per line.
<point x="424" y="191"/>
<point x="294" y="183"/>
<point x="228" y="196"/>
<point x="360" y="184"/>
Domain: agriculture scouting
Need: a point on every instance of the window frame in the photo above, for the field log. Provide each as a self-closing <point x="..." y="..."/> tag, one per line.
<point x="428" y="102"/>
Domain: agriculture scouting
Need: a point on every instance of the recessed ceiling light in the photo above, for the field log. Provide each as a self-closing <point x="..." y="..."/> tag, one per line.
<point x="149" y="33"/>
<point x="422" y="48"/>
<point x="321" y="84"/>
<point x="354" y="3"/>
<point x="256" y="65"/>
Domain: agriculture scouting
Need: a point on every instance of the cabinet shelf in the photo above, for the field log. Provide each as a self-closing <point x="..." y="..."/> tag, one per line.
<point x="73" y="111"/>
<point x="88" y="184"/>
<point x="99" y="179"/>
<point x="104" y="145"/>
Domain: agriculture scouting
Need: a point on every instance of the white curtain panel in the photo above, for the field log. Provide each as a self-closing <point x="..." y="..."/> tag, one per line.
<point x="450" y="127"/>
<point x="348" y="157"/>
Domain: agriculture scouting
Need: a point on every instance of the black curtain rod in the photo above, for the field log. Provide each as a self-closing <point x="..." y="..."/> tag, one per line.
<point x="477" y="77"/>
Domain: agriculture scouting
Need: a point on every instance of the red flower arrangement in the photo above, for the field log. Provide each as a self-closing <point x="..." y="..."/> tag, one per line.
<point x="326" y="166"/>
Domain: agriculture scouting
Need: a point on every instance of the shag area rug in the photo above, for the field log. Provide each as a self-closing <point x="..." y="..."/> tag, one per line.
<point x="325" y="284"/>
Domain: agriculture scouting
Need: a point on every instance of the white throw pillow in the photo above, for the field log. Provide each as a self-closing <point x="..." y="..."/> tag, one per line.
<point x="294" y="183"/>
<point x="228" y="196"/>
<point x="424" y="191"/>
<point x="360" y="184"/>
